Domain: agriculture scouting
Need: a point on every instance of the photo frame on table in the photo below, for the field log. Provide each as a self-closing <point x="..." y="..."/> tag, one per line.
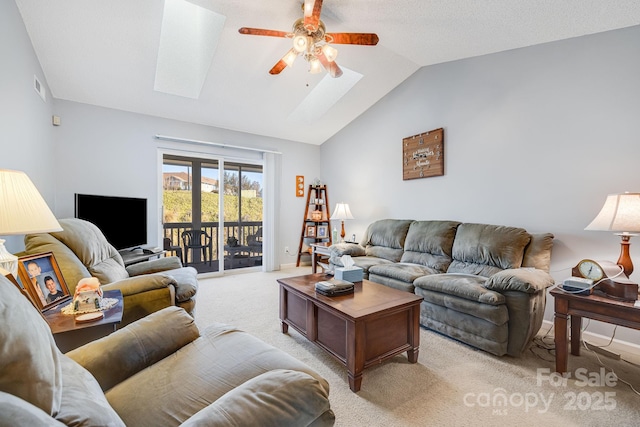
<point x="40" y="275"/>
<point x="311" y="231"/>
<point x="323" y="231"/>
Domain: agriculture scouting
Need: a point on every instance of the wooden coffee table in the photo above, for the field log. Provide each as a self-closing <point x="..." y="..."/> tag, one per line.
<point x="362" y="329"/>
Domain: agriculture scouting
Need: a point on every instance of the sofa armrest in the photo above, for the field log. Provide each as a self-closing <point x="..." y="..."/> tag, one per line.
<point x="118" y="356"/>
<point x="336" y="251"/>
<point x="527" y="280"/>
<point x="140" y="284"/>
<point x="154" y="266"/>
<point x="275" y="398"/>
<point x="353" y="249"/>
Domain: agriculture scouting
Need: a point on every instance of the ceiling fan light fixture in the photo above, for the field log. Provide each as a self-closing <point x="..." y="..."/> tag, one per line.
<point x="330" y="52"/>
<point x="314" y="66"/>
<point x="290" y="57"/>
<point x="300" y="42"/>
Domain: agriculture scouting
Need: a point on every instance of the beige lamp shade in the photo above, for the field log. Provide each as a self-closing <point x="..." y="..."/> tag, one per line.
<point x="342" y="211"/>
<point x="22" y="211"/>
<point x="621" y="212"/>
<point x="22" y="208"/>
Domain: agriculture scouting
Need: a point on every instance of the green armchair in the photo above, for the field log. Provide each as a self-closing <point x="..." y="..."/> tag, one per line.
<point x="81" y="250"/>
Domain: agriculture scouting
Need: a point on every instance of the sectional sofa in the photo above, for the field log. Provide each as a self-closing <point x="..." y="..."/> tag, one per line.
<point x="484" y="285"/>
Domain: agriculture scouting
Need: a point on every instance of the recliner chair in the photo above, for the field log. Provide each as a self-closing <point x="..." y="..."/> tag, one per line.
<point x="81" y="250"/>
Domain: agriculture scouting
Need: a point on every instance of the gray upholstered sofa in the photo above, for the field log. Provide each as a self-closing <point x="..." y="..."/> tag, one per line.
<point x="482" y="284"/>
<point x="81" y="250"/>
<point x="158" y="371"/>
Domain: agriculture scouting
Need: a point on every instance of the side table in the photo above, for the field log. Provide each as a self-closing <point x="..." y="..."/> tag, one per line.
<point x="69" y="335"/>
<point x="319" y="252"/>
<point x="594" y="307"/>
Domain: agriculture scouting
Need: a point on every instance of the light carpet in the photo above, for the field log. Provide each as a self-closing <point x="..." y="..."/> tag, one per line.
<point x="451" y="385"/>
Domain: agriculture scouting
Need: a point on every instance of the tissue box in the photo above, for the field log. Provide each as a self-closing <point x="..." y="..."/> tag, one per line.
<point x="351" y="274"/>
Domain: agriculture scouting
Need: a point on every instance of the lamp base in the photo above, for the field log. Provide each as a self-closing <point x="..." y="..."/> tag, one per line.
<point x="8" y="261"/>
<point x="624" y="260"/>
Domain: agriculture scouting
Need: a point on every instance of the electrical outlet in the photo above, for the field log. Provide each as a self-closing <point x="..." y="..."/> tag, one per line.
<point x="286" y="249"/>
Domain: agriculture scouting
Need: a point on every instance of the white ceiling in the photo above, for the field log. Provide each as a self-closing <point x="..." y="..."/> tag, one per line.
<point x="105" y="52"/>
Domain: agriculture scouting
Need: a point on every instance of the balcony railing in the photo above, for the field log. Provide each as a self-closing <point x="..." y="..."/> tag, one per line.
<point x="240" y="230"/>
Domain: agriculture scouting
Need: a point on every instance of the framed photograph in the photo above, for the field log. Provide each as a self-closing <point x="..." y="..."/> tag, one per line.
<point x="311" y="231"/>
<point x="323" y="231"/>
<point x="41" y="277"/>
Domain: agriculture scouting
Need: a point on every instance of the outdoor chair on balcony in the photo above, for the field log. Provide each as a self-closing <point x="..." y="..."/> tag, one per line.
<point x="254" y="241"/>
<point x="167" y="246"/>
<point x="196" y="240"/>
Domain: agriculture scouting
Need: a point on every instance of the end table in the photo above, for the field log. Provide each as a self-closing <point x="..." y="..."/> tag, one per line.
<point x="319" y="251"/>
<point x="69" y="335"/>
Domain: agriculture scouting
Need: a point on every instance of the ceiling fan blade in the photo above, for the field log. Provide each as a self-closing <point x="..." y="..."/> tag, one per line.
<point x="262" y="32"/>
<point x="277" y="69"/>
<point x="286" y="60"/>
<point x="311" y="21"/>
<point x="331" y="66"/>
<point x="367" y="39"/>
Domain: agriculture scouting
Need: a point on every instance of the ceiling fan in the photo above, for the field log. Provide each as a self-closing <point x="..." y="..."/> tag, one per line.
<point x="312" y="42"/>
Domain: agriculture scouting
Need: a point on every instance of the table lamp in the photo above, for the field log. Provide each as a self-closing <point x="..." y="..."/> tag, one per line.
<point x="22" y="211"/>
<point x="620" y="213"/>
<point x="342" y="212"/>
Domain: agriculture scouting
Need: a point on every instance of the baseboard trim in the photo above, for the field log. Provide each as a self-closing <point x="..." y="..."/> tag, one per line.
<point x="616" y="346"/>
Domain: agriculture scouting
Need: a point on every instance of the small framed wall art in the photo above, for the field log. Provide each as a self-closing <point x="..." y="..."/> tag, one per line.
<point x="323" y="231"/>
<point x="299" y="185"/>
<point x="311" y="231"/>
<point x="423" y="155"/>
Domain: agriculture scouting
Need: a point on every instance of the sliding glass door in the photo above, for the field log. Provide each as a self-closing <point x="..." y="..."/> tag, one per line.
<point x="212" y="212"/>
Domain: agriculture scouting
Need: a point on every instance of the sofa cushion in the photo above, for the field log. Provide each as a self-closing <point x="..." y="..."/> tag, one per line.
<point x="467" y="286"/>
<point x="385" y="238"/>
<point x="30" y="367"/>
<point x="537" y="254"/>
<point x="429" y="243"/>
<point x="364" y="262"/>
<point x="528" y="280"/>
<point x="404" y="272"/>
<point x="91" y="247"/>
<point x="221" y="359"/>
<point x="279" y="398"/>
<point x="486" y="249"/>
<point x="17" y="412"/>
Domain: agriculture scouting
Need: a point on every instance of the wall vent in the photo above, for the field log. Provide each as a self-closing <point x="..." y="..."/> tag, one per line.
<point x="39" y="88"/>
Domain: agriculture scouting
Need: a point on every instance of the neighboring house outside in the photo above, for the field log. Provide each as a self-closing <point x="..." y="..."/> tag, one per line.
<point x="182" y="181"/>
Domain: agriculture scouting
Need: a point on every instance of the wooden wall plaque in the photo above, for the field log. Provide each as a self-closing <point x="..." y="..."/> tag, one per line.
<point x="423" y="155"/>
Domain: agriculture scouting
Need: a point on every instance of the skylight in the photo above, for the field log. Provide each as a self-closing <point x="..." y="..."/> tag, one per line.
<point x="188" y="41"/>
<point x="326" y="93"/>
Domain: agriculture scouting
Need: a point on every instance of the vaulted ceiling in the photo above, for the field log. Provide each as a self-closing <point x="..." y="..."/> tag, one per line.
<point x="187" y="61"/>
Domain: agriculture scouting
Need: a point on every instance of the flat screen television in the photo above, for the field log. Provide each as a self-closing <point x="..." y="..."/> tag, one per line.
<point x="122" y="220"/>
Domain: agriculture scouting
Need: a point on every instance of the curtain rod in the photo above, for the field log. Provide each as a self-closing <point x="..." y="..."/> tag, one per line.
<point x="217" y="144"/>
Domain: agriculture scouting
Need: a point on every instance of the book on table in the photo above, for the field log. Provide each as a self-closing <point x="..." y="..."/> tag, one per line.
<point x="334" y="287"/>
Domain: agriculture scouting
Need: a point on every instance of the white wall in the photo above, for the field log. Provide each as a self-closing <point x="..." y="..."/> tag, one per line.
<point x="26" y="142"/>
<point x="534" y="137"/>
<point x="112" y="152"/>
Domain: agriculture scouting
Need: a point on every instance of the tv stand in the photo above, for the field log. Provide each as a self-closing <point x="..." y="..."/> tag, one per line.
<point x="140" y="254"/>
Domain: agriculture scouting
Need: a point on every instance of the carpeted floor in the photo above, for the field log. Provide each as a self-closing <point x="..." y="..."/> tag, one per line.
<point x="451" y="385"/>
